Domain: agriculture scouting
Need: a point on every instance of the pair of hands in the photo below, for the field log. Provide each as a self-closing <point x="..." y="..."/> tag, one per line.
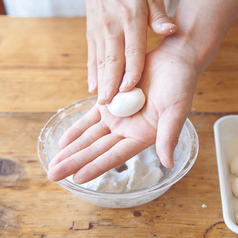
<point x="100" y="141"/>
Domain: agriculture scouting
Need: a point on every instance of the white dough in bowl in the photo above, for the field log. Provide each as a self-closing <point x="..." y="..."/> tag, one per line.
<point x="125" y="104"/>
<point x="141" y="171"/>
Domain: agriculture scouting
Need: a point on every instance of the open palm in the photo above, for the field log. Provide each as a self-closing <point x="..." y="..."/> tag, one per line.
<point x="100" y="141"/>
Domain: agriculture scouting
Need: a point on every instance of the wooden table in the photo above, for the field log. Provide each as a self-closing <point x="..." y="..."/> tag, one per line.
<point x="43" y="68"/>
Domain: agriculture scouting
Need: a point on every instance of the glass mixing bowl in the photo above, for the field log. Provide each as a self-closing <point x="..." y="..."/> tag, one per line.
<point x="184" y="157"/>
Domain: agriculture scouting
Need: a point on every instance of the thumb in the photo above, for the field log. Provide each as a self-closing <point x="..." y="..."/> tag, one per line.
<point x="158" y="20"/>
<point x="169" y="127"/>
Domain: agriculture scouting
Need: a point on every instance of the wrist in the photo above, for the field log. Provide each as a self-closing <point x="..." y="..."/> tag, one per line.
<point x="202" y="25"/>
<point x="179" y="45"/>
<point x="197" y="54"/>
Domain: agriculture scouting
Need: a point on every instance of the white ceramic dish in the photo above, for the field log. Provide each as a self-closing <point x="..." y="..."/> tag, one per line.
<point x="226" y="141"/>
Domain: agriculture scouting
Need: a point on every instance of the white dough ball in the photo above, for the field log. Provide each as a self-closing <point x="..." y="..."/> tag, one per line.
<point x="234" y="166"/>
<point x="234" y="187"/>
<point x="125" y="104"/>
<point x="236" y="217"/>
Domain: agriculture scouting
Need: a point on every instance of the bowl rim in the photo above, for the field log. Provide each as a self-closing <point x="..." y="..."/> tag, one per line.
<point x="165" y="184"/>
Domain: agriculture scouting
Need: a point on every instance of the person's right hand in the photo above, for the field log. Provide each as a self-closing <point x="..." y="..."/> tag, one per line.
<point x="117" y="42"/>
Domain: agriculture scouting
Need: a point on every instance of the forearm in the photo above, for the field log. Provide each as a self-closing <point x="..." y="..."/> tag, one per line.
<point x="202" y="25"/>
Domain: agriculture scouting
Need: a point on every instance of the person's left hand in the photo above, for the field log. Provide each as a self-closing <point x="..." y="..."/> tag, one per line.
<point x="100" y="141"/>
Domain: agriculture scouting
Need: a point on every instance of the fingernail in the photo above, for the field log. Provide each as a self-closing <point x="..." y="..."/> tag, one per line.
<point x="171" y="164"/>
<point x="125" y="83"/>
<point x="77" y="180"/>
<point x="102" y="98"/>
<point x="91" y="87"/>
<point x="49" y="175"/>
<point x="50" y="165"/>
<point x="167" y="26"/>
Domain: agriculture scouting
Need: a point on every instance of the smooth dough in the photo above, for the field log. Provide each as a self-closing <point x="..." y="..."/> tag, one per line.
<point x="234" y="166"/>
<point x="234" y="187"/>
<point x="125" y="104"/>
<point x="236" y="217"/>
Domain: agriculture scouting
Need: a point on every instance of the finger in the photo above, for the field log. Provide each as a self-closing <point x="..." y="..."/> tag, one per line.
<point x="86" y="139"/>
<point x="92" y="66"/>
<point x="114" y="68"/>
<point x="135" y="50"/>
<point x="169" y="127"/>
<point x="158" y="19"/>
<point x="117" y="155"/>
<point x="75" y="162"/>
<point x="90" y="118"/>
<point x="93" y="34"/>
<point x="100" y="60"/>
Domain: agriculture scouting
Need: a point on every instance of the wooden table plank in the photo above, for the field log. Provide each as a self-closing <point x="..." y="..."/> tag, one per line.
<point x="37" y="90"/>
<point x="60" y="42"/>
<point x="42" y="42"/>
<point x="43" y="53"/>
<point x="216" y="92"/>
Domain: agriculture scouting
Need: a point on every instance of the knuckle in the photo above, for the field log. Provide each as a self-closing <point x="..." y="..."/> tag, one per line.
<point x="126" y="14"/>
<point x="97" y="168"/>
<point x="117" y="157"/>
<point x="131" y="51"/>
<point x="158" y="16"/>
<point x="95" y="151"/>
<point x="92" y="75"/>
<point x="112" y="59"/>
<point x="91" y="62"/>
<point x="106" y="18"/>
<point x="100" y="64"/>
<point x="134" y="75"/>
<point x="107" y="23"/>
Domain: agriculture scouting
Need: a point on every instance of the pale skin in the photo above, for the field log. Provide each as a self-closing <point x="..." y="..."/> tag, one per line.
<point x="109" y="141"/>
<point x="100" y="141"/>
<point x="116" y="34"/>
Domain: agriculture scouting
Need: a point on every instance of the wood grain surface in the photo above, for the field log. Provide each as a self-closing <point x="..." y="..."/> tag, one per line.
<point x="43" y="68"/>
